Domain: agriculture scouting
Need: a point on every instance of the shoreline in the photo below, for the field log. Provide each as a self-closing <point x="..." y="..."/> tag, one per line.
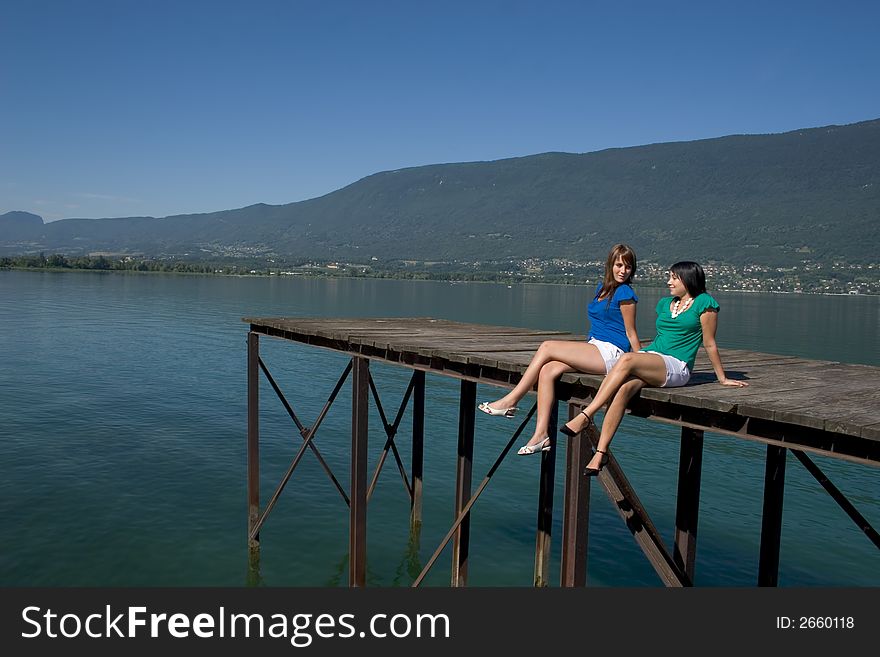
<point x="450" y="280"/>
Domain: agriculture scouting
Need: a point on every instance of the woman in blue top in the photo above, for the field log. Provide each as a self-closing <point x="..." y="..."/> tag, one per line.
<point x="612" y="315"/>
<point x="684" y="321"/>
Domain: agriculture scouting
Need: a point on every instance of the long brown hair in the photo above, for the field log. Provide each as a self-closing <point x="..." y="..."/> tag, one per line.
<point x="609" y="284"/>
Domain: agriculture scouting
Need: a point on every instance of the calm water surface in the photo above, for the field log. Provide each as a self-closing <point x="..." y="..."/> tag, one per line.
<point x="123" y="415"/>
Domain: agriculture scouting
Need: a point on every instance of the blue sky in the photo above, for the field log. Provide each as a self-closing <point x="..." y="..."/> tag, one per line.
<point x="121" y="108"/>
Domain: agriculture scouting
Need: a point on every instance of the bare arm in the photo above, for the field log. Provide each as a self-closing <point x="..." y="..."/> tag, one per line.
<point x="709" y="320"/>
<point x="628" y="310"/>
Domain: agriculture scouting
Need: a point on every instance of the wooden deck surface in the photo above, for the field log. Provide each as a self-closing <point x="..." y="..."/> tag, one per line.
<point x="824" y="406"/>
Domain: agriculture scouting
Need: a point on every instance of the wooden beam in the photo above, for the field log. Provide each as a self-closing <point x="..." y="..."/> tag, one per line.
<point x="418" y="447"/>
<point x="357" y="531"/>
<point x="576" y="509"/>
<point x="687" y="509"/>
<point x="463" y="471"/>
<point x="771" y="523"/>
<point x="253" y="440"/>
<point x="835" y="493"/>
<point x="629" y="507"/>
<point x="543" y="535"/>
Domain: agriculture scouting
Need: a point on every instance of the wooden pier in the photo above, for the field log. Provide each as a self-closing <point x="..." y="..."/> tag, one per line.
<point x="792" y="405"/>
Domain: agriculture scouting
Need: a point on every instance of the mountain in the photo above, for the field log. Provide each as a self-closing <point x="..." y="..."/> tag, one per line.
<point x="771" y="199"/>
<point x="19" y="226"/>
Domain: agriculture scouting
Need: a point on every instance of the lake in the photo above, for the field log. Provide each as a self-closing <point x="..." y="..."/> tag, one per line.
<point x="123" y="415"/>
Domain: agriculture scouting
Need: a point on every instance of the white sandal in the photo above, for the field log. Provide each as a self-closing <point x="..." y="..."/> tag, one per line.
<point x="503" y="412"/>
<point x="543" y="446"/>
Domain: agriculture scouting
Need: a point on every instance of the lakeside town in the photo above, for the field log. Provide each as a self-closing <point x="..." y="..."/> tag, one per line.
<point x="807" y="277"/>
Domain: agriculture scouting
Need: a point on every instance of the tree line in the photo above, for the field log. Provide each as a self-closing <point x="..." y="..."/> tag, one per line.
<point x="101" y="263"/>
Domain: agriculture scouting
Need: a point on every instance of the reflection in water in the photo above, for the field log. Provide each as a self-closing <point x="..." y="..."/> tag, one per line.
<point x="411" y="564"/>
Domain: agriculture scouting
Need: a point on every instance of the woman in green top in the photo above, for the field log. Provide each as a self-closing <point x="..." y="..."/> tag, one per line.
<point x="684" y="321"/>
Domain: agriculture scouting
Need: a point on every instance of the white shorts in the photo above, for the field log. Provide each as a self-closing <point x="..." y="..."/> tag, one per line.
<point x="677" y="372"/>
<point x="610" y="353"/>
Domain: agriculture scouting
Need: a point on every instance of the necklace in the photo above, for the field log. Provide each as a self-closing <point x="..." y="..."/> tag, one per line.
<point x="678" y="309"/>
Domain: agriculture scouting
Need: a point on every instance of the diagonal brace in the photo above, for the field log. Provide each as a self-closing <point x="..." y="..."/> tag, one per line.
<point x="838" y="497"/>
<point x="467" y="507"/>
<point x="302" y="430"/>
<point x="302" y="449"/>
<point x="391" y="432"/>
<point x="639" y="523"/>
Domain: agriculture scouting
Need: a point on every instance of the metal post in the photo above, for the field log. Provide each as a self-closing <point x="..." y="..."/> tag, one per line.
<point x="576" y="509"/>
<point x="418" y="447"/>
<point x="464" y="465"/>
<point x="357" y="543"/>
<point x="687" y="510"/>
<point x="253" y="444"/>
<point x="545" y="504"/>
<point x="771" y="524"/>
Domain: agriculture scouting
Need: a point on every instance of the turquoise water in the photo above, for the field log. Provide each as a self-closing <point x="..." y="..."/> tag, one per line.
<point x="123" y="415"/>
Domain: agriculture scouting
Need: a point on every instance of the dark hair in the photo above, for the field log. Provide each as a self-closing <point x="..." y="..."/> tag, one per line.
<point x="609" y="284"/>
<point x="691" y="275"/>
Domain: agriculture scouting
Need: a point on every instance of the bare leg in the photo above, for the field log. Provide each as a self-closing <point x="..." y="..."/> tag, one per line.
<point x="579" y="356"/>
<point x="546" y="383"/>
<point x="650" y="368"/>
<point x="613" y="416"/>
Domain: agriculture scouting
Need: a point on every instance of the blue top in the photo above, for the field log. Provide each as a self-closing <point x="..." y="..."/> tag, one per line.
<point x="681" y="336"/>
<point x="606" y="321"/>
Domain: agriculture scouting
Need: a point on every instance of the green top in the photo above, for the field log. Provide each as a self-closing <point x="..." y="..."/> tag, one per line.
<point x="681" y="336"/>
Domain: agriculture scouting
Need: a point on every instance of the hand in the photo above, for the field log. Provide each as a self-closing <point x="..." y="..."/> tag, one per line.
<point x="732" y="383"/>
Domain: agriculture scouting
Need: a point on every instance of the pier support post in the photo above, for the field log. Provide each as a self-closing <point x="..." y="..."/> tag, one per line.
<point x="253" y="446"/>
<point x="771" y="523"/>
<point x="464" y="467"/>
<point x="576" y="514"/>
<point x="418" y="449"/>
<point x="687" y="509"/>
<point x="545" y="504"/>
<point x="357" y="533"/>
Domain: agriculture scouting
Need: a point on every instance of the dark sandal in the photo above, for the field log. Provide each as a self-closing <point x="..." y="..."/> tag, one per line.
<point x="571" y="432"/>
<point x="592" y="472"/>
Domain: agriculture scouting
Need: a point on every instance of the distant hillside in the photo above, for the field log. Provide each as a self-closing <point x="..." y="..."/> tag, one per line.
<point x="20" y="226"/>
<point x="769" y="199"/>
